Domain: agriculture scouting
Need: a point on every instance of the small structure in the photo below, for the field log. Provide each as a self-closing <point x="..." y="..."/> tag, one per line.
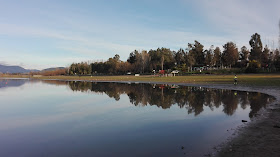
<point x="174" y="72"/>
<point x="37" y="75"/>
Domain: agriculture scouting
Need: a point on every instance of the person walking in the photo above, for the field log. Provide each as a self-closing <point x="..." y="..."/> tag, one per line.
<point x="235" y="79"/>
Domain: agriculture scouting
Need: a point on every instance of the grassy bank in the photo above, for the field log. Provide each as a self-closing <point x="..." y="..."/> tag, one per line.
<point x="244" y="79"/>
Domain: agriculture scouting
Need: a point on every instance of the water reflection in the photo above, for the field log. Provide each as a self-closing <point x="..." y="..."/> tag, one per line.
<point x="61" y="119"/>
<point x="193" y="99"/>
<point x="12" y="82"/>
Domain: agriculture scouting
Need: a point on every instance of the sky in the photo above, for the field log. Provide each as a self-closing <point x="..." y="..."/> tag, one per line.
<point x="38" y="34"/>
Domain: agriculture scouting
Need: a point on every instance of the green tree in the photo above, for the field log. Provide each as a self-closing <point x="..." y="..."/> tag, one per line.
<point x="113" y="64"/>
<point x="209" y="56"/>
<point x="180" y="57"/>
<point x="196" y="51"/>
<point x="244" y="53"/>
<point x="265" y="56"/>
<point x="277" y="59"/>
<point x="162" y="58"/>
<point x="167" y="58"/>
<point x="256" y="47"/>
<point x="117" y="58"/>
<point x="191" y="56"/>
<point x="276" y="54"/>
<point x="132" y="57"/>
<point x="73" y="69"/>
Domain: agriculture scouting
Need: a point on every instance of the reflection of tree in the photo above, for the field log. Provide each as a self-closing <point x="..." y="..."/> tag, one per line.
<point x="257" y="101"/>
<point x="217" y="97"/>
<point x="79" y="86"/>
<point x="230" y="101"/>
<point x="244" y="100"/>
<point x="194" y="99"/>
<point x="209" y="99"/>
<point x="56" y="82"/>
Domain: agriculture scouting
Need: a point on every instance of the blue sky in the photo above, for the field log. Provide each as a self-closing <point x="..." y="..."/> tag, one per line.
<point x="39" y="34"/>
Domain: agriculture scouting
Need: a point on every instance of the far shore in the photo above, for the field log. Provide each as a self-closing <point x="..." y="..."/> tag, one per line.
<point x="258" y="138"/>
<point x="243" y="79"/>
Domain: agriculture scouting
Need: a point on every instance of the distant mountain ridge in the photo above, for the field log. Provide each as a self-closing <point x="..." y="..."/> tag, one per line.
<point x="21" y="70"/>
<point x="15" y="69"/>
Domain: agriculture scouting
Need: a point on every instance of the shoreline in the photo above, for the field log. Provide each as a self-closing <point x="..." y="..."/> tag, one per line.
<point x="260" y="137"/>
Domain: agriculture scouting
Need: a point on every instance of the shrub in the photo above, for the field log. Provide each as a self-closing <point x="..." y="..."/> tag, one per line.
<point x="253" y="66"/>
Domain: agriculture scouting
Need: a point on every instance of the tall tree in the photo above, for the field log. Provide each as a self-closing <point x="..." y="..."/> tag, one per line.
<point x="113" y="64"/>
<point x="132" y="57"/>
<point x="196" y="51"/>
<point x="244" y="57"/>
<point x="217" y="57"/>
<point x="145" y="61"/>
<point x="191" y="56"/>
<point x="162" y="58"/>
<point x="244" y="53"/>
<point x="117" y="58"/>
<point x="265" y="56"/>
<point x="209" y="56"/>
<point x="276" y="54"/>
<point x="180" y="56"/>
<point x="256" y="47"/>
<point x="230" y="54"/>
<point x="277" y="58"/>
<point x="124" y="67"/>
<point x="155" y="59"/>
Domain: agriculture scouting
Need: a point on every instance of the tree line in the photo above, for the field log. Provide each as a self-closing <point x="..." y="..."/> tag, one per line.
<point x="188" y="59"/>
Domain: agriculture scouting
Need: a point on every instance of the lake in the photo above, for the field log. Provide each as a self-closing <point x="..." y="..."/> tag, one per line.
<point x="52" y="118"/>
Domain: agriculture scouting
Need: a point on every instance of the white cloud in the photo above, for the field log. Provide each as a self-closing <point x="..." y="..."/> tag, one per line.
<point x="239" y="19"/>
<point x="82" y="38"/>
<point x="96" y="48"/>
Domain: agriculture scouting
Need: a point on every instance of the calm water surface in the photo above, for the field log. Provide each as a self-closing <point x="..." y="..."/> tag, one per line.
<point x="85" y="119"/>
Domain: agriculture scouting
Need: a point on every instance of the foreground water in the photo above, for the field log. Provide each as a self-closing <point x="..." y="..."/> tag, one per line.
<point x="85" y="119"/>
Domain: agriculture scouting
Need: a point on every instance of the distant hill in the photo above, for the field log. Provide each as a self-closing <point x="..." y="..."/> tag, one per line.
<point x="52" y="69"/>
<point x="14" y="69"/>
<point x="19" y="69"/>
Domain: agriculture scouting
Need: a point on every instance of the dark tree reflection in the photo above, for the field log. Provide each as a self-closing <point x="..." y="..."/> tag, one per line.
<point x="193" y="99"/>
<point x="230" y="101"/>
